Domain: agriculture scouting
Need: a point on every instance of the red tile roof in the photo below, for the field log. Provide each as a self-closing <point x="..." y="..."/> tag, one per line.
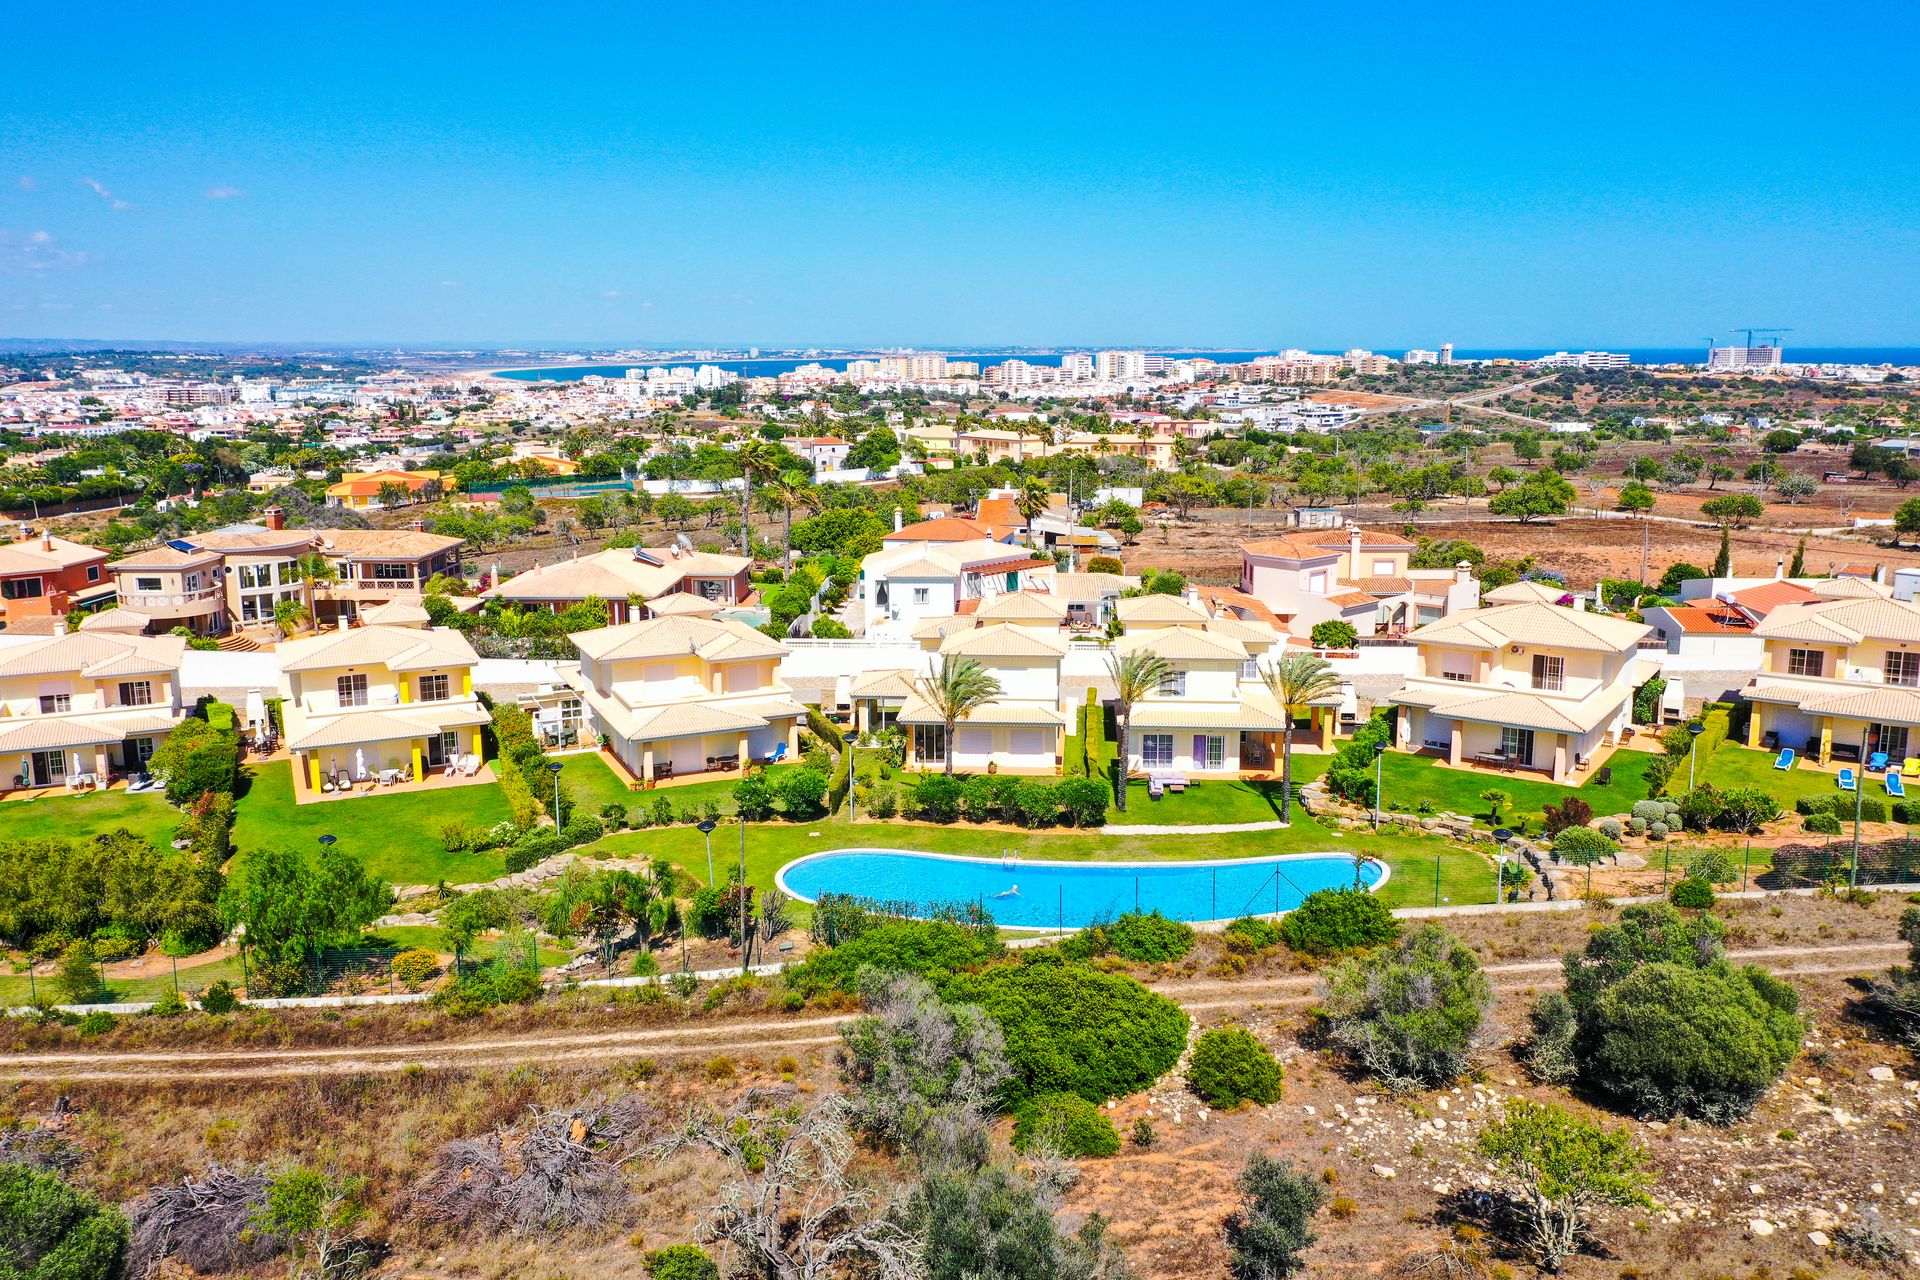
<point x="941" y="529"/>
<point x="1000" y="515"/>
<point x="1710" y="620"/>
<point x="1765" y="599"/>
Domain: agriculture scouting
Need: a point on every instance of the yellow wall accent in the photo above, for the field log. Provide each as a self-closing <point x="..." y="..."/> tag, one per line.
<point x="476" y="742"/>
<point x="313" y="772"/>
<point x="466" y="685"/>
<point x="406" y="690"/>
<point x="419" y="770"/>
<point x="1753" y="727"/>
<point x="1826" y="739"/>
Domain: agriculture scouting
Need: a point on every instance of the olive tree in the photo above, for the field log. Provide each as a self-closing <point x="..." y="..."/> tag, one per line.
<point x="1560" y="1168"/>
<point x="1409" y="1014"/>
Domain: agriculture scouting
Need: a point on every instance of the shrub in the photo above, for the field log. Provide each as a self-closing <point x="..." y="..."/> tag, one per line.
<point x="1646" y="700"/>
<point x="1410" y="1015"/>
<point x="1636" y="826"/>
<point x="1083" y="801"/>
<point x="196" y="758"/>
<point x="581" y="829"/>
<point x="97" y="1023"/>
<point x="1611" y="828"/>
<point x="458" y="837"/>
<point x="1330" y="921"/>
<point x="1256" y="933"/>
<point x="1070" y="1029"/>
<point x="1036" y="804"/>
<point x="614" y="814"/>
<point x="1822" y="824"/>
<point x="681" y="1262"/>
<point x="521" y="805"/>
<point x="1334" y="634"/>
<point x="1549" y="1051"/>
<point x="1149" y="937"/>
<point x="1650" y="810"/>
<point x="1066" y="1124"/>
<point x="80" y="980"/>
<point x="219" y="998"/>
<point x="933" y="949"/>
<point x="52" y="1231"/>
<point x="1273" y="1226"/>
<point x="1582" y="845"/>
<point x="801" y="792"/>
<point x="936" y="798"/>
<point x="415" y="967"/>
<point x="1657" y="831"/>
<point x="1693" y="893"/>
<point x="1229" y="1065"/>
<point x="168" y="1004"/>
<point x="1571" y="812"/>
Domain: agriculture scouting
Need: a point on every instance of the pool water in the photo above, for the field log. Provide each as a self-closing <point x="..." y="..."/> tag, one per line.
<point x="1026" y="894"/>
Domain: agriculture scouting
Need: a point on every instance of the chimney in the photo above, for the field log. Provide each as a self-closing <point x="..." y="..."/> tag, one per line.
<point x="343" y="622"/>
<point x="276" y="518"/>
<point x="896" y="520"/>
<point x="1463" y="571"/>
<point x="1779" y="568"/>
<point x="417" y="524"/>
<point x="1579" y="603"/>
<point x="1353" y="552"/>
<point x="59" y="626"/>
<point x="1880" y="574"/>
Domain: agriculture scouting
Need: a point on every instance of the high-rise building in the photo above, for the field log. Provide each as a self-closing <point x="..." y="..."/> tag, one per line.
<point x="1076" y="366"/>
<point x="1120" y="366"/>
<point x="1446" y="353"/>
<point x="1418" y="356"/>
<point x="1769" y="357"/>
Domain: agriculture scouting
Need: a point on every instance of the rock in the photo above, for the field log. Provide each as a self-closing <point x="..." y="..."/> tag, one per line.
<point x="1819" y="1239"/>
<point x="1754" y="1188"/>
<point x="1760" y="1227"/>
<point x="1383" y="1171"/>
<point x="1442" y="1103"/>
<point x="1882" y="1074"/>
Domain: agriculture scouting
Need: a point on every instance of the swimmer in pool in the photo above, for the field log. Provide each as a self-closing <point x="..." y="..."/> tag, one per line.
<point x="1010" y="893"/>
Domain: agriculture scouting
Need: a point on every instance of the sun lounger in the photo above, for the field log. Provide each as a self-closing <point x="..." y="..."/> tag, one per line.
<point x="1895" y="787"/>
<point x="1877" y="762"/>
<point x="1846" y="780"/>
<point x="1784" y="760"/>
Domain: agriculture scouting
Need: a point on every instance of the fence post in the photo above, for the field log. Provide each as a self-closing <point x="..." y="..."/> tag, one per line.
<point x="1746" y="860"/>
<point x="176" y="974"/>
<point x="1666" y="866"/>
<point x="246" y="979"/>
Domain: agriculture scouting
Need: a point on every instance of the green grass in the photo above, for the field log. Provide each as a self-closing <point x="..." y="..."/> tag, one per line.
<point x="146" y="814"/>
<point x="1407" y="779"/>
<point x="1465" y="876"/>
<point x="16" y="990"/>
<point x="593" y="784"/>
<point x="1216" y="801"/>
<point x="1735" y="766"/>
<point x="693" y="795"/>
<point x="398" y="833"/>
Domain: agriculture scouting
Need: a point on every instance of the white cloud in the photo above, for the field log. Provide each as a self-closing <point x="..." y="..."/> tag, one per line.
<point x="37" y="251"/>
<point x="99" y="188"/>
<point x="612" y="293"/>
<point x="449" y="284"/>
<point x="224" y="193"/>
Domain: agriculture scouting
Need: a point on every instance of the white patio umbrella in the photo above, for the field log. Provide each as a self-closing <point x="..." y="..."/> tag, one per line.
<point x="256" y="710"/>
<point x="78" y="768"/>
<point x="359" y="764"/>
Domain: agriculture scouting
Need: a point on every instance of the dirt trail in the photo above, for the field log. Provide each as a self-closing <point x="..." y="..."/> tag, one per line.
<point x="1196" y="996"/>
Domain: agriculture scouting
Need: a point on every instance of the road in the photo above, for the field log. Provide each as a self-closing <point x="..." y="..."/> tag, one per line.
<point x="1471" y="400"/>
<point x="758" y="1036"/>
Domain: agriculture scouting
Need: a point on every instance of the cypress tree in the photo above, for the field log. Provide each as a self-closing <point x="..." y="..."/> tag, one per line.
<point x="1723" y="563"/>
<point x="1799" y="566"/>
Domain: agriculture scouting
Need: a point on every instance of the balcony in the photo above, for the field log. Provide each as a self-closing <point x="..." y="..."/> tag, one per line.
<point x="354" y="587"/>
<point x="174" y="604"/>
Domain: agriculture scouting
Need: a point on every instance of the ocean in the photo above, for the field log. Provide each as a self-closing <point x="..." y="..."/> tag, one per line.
<point x="1905" y="356"/>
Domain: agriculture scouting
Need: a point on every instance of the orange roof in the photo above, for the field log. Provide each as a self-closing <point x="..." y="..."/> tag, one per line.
<point x="1232" y="599"/>
<point x="999" y="514"/>
<point x="1290" y="548"/>
<point x="1351" y="599"/>
<point x="1710" y="620"/>
<point x="1765" y="599"/>
<point x="941" y="529"/>
<point x="1380" y="586"/>
<point x="1855" y="570"/>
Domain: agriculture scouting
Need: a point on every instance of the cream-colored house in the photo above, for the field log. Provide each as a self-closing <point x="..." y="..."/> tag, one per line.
<point x="77" y="708"/>
<point x="686" y="695"/>
<point x="1840" y="678"/>
<point x="1528" y="685"/>
<point x="1214" y="717"/>
<point x="174" y="588"/>
<point x="655" y="575"/>
<point x="1020" y="731"/>
<point x="380" y="705"/>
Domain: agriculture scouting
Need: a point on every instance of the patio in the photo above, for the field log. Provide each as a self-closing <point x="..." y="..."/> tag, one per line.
<point x="394" y="780"/>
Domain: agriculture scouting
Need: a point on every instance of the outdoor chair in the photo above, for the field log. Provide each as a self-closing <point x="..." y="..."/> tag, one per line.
<point x="1877" y="762"/>
<point x="1846" y="779"/>
<point x="1895" y="787"/>
<point x="1784" y="760"/>
<point x="1605" y="776"/>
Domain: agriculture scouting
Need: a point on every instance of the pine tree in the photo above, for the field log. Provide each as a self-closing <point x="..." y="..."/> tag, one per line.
<point x="1723" y="563"/>
<point x="1799" y="566"/>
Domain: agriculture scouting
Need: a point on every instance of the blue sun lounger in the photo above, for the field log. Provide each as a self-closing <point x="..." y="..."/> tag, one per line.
<point x="1846" y="779"/>
<point x="1784" y="760"/>
<point x="1896" y="788"/>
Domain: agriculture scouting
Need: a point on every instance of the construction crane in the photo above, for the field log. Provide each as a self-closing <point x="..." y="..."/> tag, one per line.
<point x="1753" y="329"/>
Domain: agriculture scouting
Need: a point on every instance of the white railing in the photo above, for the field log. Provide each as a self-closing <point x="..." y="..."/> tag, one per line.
<point x="134" y="599"/>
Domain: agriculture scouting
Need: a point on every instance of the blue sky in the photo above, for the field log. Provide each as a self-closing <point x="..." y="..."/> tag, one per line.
<point x="1259" y="174"/>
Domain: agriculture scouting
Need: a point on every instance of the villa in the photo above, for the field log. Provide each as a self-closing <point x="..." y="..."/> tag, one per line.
<point x="1021" y="730"/>
<point x="1351" y="575"/>
<point x="1528" y="685"/>
<point x="677" y="696"/>
<point x="380" y="705"/>
<point x="75" y="709"/>
<point x="1840" y="678"/>
<point x="619" y="576"/>
<point x="902" y="586"/>
<point x="47" y="577"/>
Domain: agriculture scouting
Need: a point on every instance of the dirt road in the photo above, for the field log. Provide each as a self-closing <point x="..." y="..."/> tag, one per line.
<point x="1197" y="996"/>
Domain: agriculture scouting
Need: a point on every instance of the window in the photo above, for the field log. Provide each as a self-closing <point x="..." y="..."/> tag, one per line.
<point x="711" y="589"/>
<point x="248" y="577"/>
<point x="20" y="589"/>
<point x="1317" y="582"/>
<point x="930" y="743"/>
<point x="1175" y="685"/>
<point x="920" y="594"/>
<point x="1890" y="738"/>
<point x="140" y="750"/>
<point x="1383" y="568"/>
<point x="1549" y="672"/>
<point x="1903" y="668"/>
<point x="1463" y="677"/>
<point x="393" y="573"/>
<point x="1806" y="662"/>
<point x="136" y="693"/>
<point x="1517" y="744"/>
<point x="1250" y="670"/>
<point x="1156" y="750"/>
<point x="433" y="688"/>
<point x="93" y="573"/>
<point x="192" y="582"/>
<point x="148" y="585"/>
<point x="1213" y="751"/>
<point x="52" y="704"/>
<point x="352" y="690"/>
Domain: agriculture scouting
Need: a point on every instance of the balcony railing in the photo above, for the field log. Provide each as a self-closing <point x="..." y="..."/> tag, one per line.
<point x="134" y="599"/>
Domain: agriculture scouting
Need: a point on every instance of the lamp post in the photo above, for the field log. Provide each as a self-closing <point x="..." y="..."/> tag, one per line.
<point x="853" y="778"/>
<point x="706" y="829"/>
<point x="1499" y="878"/>
<point x="1379" y="755"/>
<point x="1859" y="790"/>
<point x="554" y="767"/>
<point x="743" y="895"/>
<point x="1695" y="729"/>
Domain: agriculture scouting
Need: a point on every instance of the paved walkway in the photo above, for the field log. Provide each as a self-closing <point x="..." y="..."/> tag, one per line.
<point x="1224" y="828"/>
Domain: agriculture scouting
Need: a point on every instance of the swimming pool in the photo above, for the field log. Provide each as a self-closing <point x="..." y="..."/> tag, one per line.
<point x="1023" y="893"/>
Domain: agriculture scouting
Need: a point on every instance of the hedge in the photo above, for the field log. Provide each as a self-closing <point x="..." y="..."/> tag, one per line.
<point x="824" y="729"/>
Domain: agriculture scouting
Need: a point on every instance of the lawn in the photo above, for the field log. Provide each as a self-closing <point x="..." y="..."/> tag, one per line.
<point x="16" y="990"/>
<point x="1736" y="766"/>
<point x="1214" y="801"/>
<point x="1407" y="780"/>
<point x="146" y="814"/>
<point x="398" y="833"/>
<point x="593" y="784"/>
<point x="1463" y="876"/>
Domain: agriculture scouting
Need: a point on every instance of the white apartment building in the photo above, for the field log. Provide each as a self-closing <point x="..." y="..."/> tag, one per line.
<point x="1119" y="366"/>
<point x="1418" y="356"/>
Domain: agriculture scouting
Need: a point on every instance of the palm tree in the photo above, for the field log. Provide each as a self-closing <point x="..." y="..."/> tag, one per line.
<point x="792" y="489"/>
<point x="757" y="461"/>
<point x="1294" y="680"/>
<point x="1034" y="499"/>
<point x="955" y="690"/>
<point x="1134" y="677"/>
